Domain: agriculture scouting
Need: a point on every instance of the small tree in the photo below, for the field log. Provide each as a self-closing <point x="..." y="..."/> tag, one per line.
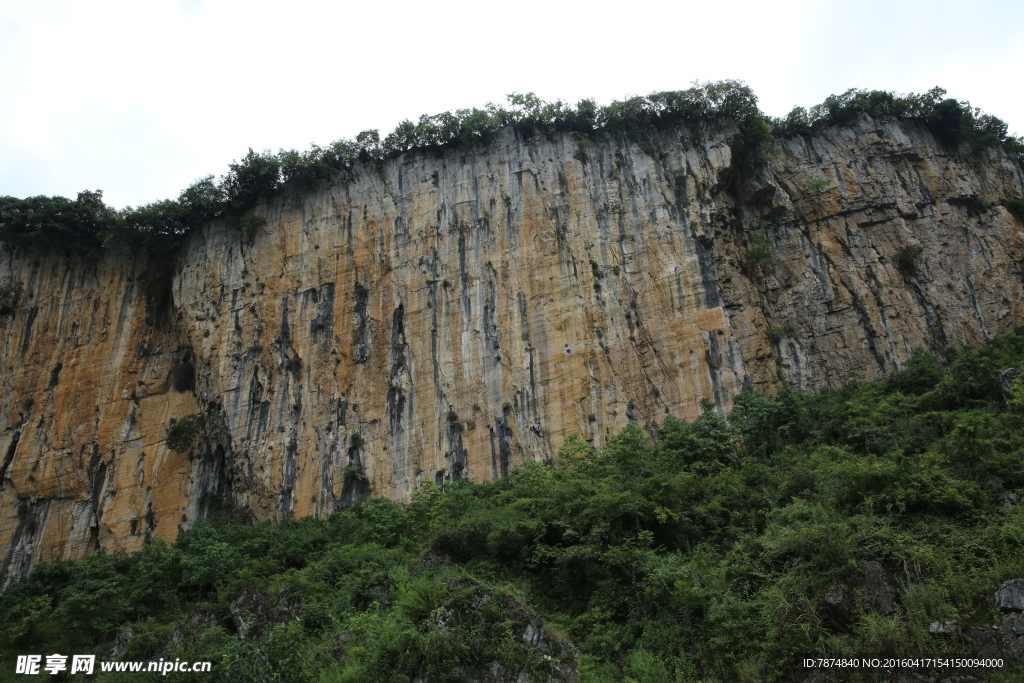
<point x="907" y="257"/>
<point x="182" y="435"/>
<point x="759" y="253"/>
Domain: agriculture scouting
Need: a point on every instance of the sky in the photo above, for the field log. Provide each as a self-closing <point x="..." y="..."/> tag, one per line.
<point x="141" y="98"/>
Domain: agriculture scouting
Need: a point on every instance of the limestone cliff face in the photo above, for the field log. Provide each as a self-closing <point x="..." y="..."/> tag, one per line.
<point x="454" y="315"/>
<point x="84" y="402"/>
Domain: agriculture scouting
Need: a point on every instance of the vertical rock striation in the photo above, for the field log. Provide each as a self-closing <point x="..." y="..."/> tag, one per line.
<point x="451" y="315"/>
<point x="85" y="399"/>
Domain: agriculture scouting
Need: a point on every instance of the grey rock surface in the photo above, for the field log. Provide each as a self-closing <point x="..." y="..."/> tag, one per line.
<point x="1010" y="595"/>
<point x="944" y="628"/>
<point x="878" y="594"/>
<point x="253" y="613"/>
<point x="836" y="608"/>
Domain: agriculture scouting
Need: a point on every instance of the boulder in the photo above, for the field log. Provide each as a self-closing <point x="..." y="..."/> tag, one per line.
<point x="1010" y="596"/>
<point x="989" y="640"/>
<point x="836" y="609"/>
<point x="1009" y="499"/>
<point x="124" y="638"/>
<point x="341" y="645"/>
<point x="1015" y="650"/>
<point x="177" y="635"/>
<point x="944" y="628"/>
<point x="202" y="616"/>
<point x="1006" y="641"/>
<point x="1007" y="377"/>
<point x="561" y="657"/>
<point x="878" y="594"/>
<point x="1017" y="625"/>
<point x="252" y="612"/>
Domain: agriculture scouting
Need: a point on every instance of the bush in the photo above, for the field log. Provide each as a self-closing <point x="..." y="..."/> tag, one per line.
<point x="759" y="252"/>
<point x="182" y="434"/>
<point x="702" y="551"/>
<point x="780" y="332"/>
<point x="84" y="225"/>
<point x="1015" y="205"/>
<point x="951" y="121"/>
<point x="906" y="257"/>
<point x="275" y="659"/>
<point x="55" y="223"/>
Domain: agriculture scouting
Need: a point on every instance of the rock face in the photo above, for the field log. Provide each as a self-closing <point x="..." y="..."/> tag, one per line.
<point x="454" y="314"/>
<point x="1010" y="596"/>
<point x="85" y="395"/>
<point x="878" y="594"/>
<point x="253" y="613"/>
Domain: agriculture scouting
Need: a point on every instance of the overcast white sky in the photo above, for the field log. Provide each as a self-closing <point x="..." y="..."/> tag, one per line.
<point x="141" y="97"/>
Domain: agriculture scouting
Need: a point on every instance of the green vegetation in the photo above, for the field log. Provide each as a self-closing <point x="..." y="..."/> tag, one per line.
<point x="759" y="252"/>
<point x="1015" y="205"/>
<point x="837" y="525"/>
<point x="953" y="122"/>
<point x="64" y="225"/>
<point x="780" y="332"/>
<point x="182" y="435"/>
<point x="819" y="185"/>
<point x="906" y="257"/>
<point x="85" y="225"/>
<point x="889" y="283"/>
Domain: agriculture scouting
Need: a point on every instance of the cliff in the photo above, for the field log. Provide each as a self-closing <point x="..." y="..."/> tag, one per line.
<point x="455" y="314"/>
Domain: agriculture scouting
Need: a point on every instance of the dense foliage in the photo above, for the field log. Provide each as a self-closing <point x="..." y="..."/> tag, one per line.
<point x="84" y="225"/>
<point x="702" y="552"/>
<point x="952" y="121"/>
<point x="181" y="435"/>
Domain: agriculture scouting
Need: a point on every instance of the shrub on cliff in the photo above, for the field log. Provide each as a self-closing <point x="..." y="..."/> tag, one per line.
<point x="70" y="226"/>
<point x="951" y="121"/>
<point x="84" y="225"/>
<point x="182" y="435"/>
<point x="1015" y="205"/>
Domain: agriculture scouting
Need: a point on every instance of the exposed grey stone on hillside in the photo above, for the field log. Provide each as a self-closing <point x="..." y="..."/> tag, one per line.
<point x="1009" y="499"/>
<point x="252" y="612"/>
<point x="124" y="638"/>
<point x="1016" y="623"/>
<point x="1010" y="595"/>
<point x="878" y="594"/>
<point x="836" y="609"/>
<point x="944" y="628"/>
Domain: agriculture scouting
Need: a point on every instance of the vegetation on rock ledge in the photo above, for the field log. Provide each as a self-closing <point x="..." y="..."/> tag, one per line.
<point x="84" y="225"/>
<point x="835" y="525"/>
